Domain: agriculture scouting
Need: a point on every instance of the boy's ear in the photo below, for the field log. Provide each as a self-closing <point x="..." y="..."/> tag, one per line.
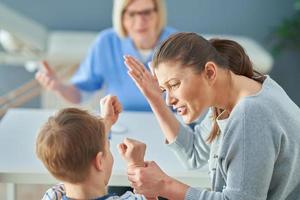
<point x="98" y="162"/>
<point x="210" y="72"/>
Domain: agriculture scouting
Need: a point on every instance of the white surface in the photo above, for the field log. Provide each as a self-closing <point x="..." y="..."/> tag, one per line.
<point x="119" y="128"/>
<point x="18" y="130"/>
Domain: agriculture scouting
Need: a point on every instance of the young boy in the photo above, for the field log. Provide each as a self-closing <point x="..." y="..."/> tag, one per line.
<point x="74" y="147"/>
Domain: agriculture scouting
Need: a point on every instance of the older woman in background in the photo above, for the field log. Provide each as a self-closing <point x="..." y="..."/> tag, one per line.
<point x="138" y="27"/>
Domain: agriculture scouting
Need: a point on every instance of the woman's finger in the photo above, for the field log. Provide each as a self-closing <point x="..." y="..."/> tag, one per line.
<point x="132" y="67"/>
<point x="47" y="68"/>
<point x="52" y="84"/>
<point x="133" y="70"/>
<point x="136" y="78"/>
<point x="38" y="75"/>
<point x="132" y="178"/>
<point x="131" y="171"/>
<point x="43" y="78"/>
<point x="136" y="186"/>
<point x="49" y="80"/>
<point x="134" y="64"/>
<point x="137" y="63"/>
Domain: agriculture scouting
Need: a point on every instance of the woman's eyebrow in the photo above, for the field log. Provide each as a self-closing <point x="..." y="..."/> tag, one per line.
<point x="169" y="80"/>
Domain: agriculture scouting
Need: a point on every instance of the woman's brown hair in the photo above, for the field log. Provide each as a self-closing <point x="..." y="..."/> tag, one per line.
<point x="192" y="50"/>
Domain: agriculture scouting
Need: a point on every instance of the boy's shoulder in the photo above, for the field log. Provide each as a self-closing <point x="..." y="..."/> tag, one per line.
<point x="127" y="195"/>
<point x="57" y="192"/>
<point x="130" y="195"/>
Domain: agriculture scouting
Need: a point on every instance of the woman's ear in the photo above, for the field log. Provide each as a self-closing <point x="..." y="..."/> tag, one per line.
<point x="210" y="72"/>
<point x="98" y="161"/>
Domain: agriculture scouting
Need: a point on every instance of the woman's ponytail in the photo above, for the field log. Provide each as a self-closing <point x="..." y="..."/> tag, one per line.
<point x="232" y="56"/>
<point x="236" y="58"/>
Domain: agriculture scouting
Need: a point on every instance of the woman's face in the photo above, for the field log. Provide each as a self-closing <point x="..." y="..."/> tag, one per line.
<point x="186" y="91"/>
<point x="140" y="21"/>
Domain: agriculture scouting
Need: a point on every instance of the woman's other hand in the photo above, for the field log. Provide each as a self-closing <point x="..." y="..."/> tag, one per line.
<point x="149" y="181"/>
<point x="47" y="77"/>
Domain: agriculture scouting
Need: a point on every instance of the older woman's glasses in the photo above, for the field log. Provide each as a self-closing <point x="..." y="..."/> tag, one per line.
<point x="147" y="13"/>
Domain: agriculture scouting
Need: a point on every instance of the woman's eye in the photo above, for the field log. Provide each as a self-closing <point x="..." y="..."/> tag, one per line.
<point x="174" y="86"/>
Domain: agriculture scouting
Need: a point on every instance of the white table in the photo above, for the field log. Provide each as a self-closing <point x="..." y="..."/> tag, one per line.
<point x="19" y="164"/>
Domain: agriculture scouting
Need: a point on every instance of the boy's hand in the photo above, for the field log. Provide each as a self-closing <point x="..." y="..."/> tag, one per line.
<point x="133" y="152"/>
<point x="110" y="108"/>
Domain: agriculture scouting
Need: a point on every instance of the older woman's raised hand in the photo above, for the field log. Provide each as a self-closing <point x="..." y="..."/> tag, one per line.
<point x="145" y="81"/>
<point x="46" y="76"/>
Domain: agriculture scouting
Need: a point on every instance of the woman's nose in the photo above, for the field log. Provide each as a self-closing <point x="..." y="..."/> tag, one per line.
<point x="170" y="99"/>
<point x="141" y="21"/>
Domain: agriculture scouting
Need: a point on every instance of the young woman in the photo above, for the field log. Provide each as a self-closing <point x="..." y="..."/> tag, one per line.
<point x="250" y="137"/>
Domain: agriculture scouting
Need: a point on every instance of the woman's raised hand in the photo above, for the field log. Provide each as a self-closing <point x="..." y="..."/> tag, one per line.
<point x="145" y="81"/>
<point x="47" y="77"/>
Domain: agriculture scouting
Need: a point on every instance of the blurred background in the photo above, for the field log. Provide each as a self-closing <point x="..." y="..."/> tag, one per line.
<point x="274" y="24"/>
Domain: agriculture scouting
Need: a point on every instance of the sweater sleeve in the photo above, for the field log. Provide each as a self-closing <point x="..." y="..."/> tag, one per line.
<point x="190" y="146"/>
<point x="246" y="159"/>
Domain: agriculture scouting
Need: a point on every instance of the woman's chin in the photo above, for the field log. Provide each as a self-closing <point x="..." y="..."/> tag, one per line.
<point x="186" y="119"/>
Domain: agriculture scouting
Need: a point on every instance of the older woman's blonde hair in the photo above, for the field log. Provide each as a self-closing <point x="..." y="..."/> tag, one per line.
<point x="121" y="5"/>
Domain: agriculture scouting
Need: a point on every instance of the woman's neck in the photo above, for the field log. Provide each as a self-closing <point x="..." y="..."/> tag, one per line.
<point x="236" y="88"/>
<point x="146" y="43"/>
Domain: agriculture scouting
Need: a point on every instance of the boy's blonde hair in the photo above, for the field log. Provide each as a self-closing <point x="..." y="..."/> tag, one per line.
<point x="68" y="142"/>
<point x="119" y="9"/>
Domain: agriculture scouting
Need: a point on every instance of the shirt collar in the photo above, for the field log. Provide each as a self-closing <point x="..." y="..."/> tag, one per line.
<point x="222" y="121"/>
<point x="129" y="48"/>
<point x="64" y="197"/>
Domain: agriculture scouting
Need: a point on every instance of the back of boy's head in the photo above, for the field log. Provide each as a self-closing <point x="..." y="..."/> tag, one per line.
<point x="68" y="142"/>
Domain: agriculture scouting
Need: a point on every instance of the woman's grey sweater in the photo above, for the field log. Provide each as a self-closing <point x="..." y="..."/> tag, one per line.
<point x="256" y="156"/>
